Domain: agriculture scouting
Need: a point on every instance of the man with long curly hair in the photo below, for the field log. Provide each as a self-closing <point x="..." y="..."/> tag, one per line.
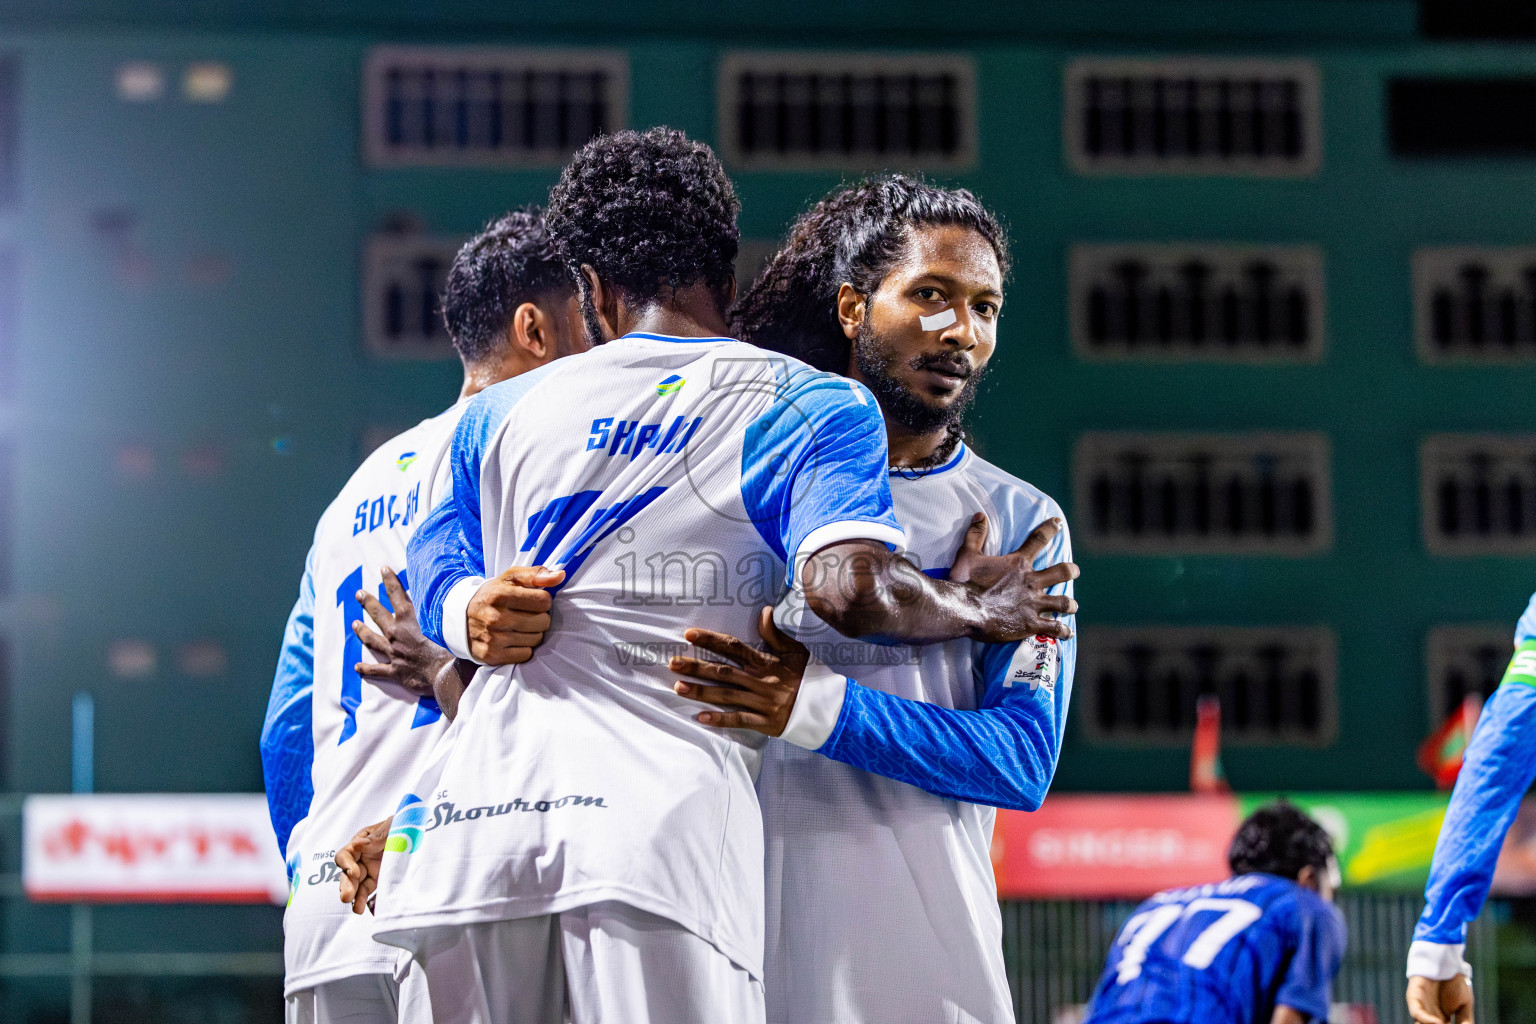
<point x="587" y="844"/>
<point x="879" y="823"/>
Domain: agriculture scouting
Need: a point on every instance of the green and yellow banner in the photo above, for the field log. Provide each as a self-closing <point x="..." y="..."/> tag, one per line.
<point x="1124" y="845"/>
<point x="1384" y="840"/>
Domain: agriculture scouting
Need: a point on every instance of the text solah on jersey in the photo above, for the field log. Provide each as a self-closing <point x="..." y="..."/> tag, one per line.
<point x="387" y="510"/>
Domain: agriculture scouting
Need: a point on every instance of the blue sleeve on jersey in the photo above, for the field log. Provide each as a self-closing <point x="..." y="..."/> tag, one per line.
<point x="816" y="456"/>
<point x="1525" y="629"/>
<point x="1308" y="983"/>
<point x="1003" y="754"/>
<point x="438" y="555"/>
<point x="448" y="546"/>
<point x="287" y="735"/>
<point x="1497" y="770"/>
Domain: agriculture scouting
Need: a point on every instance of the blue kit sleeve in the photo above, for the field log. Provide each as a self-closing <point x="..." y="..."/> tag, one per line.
<point x="449" y="546"/>
<point x="1320" y="938"/>
<point x="813" y="467"/>
<point x="440" y="553"/>
<point x="287" y="734"/>
<point x="1496" y="771"/>
<point x="1003" y="754"/>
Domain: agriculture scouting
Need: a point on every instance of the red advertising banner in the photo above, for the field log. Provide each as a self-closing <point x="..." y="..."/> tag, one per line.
<point x="1112" y="846"/>
<point x="178" y="848"/>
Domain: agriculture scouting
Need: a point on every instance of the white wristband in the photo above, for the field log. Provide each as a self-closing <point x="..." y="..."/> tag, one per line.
<point x="456" y="615"/>
<point x="817" y="706"/>
<point x="1437" y="961"/>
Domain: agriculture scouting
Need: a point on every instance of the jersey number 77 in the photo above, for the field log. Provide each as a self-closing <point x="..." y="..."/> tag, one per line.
<point x="1142" y="930"/>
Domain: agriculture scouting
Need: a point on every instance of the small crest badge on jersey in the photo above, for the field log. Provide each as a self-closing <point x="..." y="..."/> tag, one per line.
<point x="1037" y="662"/>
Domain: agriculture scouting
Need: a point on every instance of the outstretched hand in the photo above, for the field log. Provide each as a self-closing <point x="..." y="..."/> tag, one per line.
<point x="406" y="657"/>
<point x="359" y="861"/>
<point x="1011" y="585"/>
<point x="758" y="693"/>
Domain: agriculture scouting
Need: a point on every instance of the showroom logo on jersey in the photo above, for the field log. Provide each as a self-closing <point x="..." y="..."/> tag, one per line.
<point x="445" y="813"/>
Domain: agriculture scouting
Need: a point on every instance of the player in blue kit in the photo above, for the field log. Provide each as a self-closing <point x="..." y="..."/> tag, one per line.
<point x="1260" y="948"/>
<point x="1496" y="772"/>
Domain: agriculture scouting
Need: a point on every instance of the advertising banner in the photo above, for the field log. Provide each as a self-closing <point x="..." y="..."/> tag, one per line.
<point x="121" y="848"/>
<point x="1384" y="840"/>
<point x="1089" y="846"/>
<point x="1112" y="847"/>
<point x="220" y="848"/>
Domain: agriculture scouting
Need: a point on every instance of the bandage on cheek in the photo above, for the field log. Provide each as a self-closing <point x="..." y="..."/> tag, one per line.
<point x="940" y="320"/>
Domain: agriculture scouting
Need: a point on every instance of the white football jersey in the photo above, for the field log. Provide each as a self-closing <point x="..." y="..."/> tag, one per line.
<point x="673" y="480"/>
<point x="882" y="905"/>
<point x="370" y="739"/>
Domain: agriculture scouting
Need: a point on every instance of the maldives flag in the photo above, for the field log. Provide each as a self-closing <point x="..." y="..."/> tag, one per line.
<point x="1205" y="774"/>
<point x="1440" y="755"/>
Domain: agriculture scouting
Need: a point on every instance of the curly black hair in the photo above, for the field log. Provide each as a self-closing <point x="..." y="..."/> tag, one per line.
<point x="647" y="211"/>
<point x="1279" y="839"/>
<point x="856" y="234"/>
<point x="511" y="262"/>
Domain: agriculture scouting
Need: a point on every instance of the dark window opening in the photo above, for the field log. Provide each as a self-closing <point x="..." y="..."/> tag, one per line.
<point x="1477" y="19"/>
<point x="492" y="110"/>
<point x="1154" y="494"/>
<point x="1274" y="685"/>
<point x="1462" y="117"/>
<point x="833" y="114"/>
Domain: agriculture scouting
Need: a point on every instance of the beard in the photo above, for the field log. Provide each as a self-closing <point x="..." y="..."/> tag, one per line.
<point x="877" y="358"/>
